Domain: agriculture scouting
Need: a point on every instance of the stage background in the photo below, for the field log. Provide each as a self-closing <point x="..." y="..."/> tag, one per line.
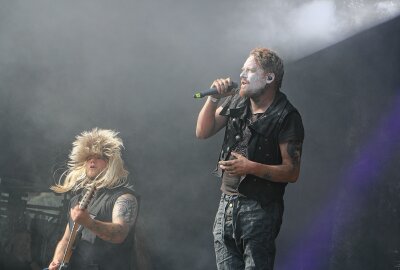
<point x="135" y="70"/>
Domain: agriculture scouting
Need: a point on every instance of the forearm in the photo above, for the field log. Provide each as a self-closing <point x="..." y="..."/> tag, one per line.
<point x="206" y="122"/>
<point x="276" y="173"/>
<point x="60" y="249"/>
<point x="110" y="232"/>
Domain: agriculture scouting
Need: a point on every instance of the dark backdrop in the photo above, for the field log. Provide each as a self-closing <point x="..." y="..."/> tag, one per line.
<point x="137" y="74"/>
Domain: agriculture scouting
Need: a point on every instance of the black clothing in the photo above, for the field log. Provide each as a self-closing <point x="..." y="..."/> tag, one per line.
<point x="230" y="183"/>
<point x="94" y="253"/>
<point x="280" y="123"/>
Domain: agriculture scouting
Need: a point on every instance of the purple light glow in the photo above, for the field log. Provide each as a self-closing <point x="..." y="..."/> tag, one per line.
<point x="313" y="249"/>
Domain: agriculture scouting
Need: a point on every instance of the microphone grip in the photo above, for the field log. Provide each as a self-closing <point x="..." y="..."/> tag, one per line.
<point x="213" y="91"/>
<point x="209" y="92"/>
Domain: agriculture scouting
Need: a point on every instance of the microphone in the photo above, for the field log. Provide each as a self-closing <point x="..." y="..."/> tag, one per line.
<point x="213" y="91"/>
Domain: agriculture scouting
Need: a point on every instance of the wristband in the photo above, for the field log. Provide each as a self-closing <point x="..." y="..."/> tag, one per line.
<point x="214" y="100"/>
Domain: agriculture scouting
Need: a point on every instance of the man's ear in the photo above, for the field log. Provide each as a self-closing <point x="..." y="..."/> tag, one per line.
<point x="270" y="78"/>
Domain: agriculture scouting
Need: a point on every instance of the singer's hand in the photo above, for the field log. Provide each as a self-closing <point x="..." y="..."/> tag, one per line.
<point x="222" y="86"/>
<point x="238" y="166"/>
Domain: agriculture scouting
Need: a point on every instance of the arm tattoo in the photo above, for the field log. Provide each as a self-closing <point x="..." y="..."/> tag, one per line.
<point x="124" y="215"/>
<point x="108" y="233"/>
<point x="267" y="176"/>
<point x="294" y="149"/>
<point x="125" y="209"/>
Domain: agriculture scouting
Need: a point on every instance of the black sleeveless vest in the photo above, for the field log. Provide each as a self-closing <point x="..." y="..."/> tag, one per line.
<point x="263" y="145"/>
<point x="91" y="251"/>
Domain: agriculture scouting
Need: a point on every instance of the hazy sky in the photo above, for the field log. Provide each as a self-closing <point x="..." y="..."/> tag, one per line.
<point x="297" y="28"/>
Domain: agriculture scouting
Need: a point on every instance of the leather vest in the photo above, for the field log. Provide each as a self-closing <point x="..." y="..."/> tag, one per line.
<point x="91" y="250"/>
<point x="263" y="145"/>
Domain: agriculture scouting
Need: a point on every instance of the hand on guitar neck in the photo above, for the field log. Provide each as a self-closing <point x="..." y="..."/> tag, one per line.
<point x="79" y="216"/>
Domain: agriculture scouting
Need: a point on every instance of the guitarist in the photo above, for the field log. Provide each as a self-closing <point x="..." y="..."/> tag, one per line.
<point x="107" y="224"/>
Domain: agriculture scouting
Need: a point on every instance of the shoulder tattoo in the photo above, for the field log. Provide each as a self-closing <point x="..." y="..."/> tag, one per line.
<point x="125" y="209"/>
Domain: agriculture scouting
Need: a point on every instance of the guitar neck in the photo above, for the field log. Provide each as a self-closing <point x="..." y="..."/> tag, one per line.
<point x="75" y="228"/>
<point x="70" y="246"/>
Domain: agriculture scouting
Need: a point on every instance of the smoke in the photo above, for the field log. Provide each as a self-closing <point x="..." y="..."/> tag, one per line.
<point x="299" y="28"/>
<point x="68" y="66"/>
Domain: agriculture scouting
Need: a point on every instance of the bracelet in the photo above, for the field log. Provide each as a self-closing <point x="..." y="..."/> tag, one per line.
<point x="214" y="100"/>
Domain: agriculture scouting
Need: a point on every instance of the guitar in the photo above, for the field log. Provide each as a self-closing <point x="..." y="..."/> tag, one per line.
<point x="75" y="230"/>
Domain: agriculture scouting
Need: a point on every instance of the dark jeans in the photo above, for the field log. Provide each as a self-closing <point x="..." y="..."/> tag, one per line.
<point x="244" y="233"/>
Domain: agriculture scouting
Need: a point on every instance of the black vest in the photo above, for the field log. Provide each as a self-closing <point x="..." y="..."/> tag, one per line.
<point x="91" y="251"/>
<point x="263" y="145"/>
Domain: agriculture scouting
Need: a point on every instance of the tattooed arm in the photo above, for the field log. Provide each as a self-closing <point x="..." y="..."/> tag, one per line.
<point x="288" y="171"/>
<point x="123" y="217"/>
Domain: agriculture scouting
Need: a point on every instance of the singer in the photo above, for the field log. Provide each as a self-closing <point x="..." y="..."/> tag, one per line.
<point x="260" y="155"/>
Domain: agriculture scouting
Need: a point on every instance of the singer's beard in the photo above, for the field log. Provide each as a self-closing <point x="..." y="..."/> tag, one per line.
<point x="252" y="93"/>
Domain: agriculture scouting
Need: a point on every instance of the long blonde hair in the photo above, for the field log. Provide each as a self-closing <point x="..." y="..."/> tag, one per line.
<point x="99" y="142"/>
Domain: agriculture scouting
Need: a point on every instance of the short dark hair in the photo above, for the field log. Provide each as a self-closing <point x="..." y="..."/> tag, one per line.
<point x="269" y="62"/>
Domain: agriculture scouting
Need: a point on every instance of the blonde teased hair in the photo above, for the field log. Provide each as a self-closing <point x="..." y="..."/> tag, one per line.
<point x="97" y="142"/>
